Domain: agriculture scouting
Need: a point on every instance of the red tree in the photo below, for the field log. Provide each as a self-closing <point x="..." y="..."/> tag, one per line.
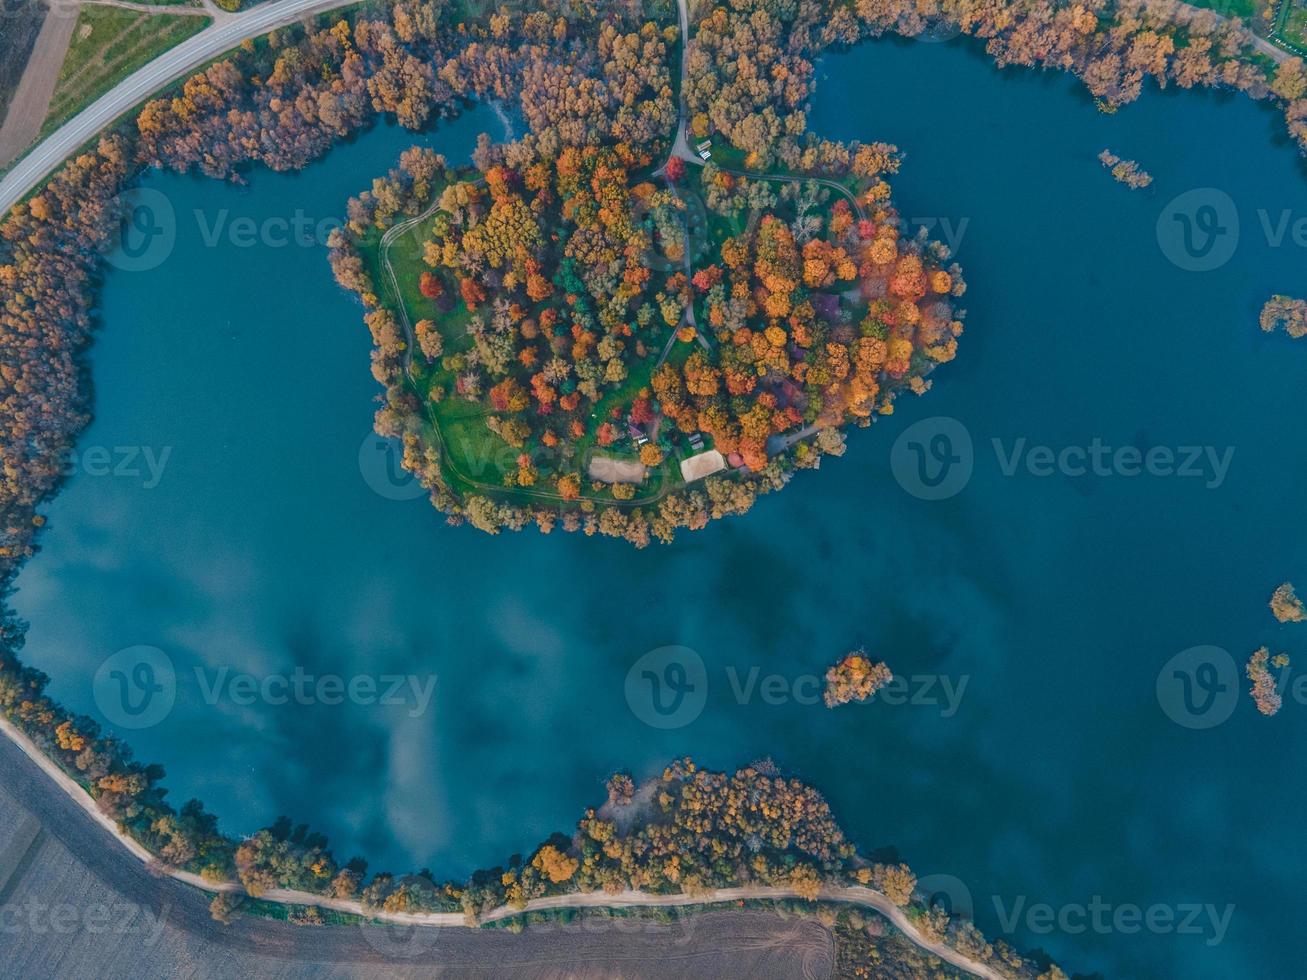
<point x="430" y="286"/>
<point x="472" y="292"/>
<point x="642" y="411"/>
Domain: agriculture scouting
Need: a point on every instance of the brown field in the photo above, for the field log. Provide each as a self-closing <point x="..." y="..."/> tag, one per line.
<point x="22" y="22"/>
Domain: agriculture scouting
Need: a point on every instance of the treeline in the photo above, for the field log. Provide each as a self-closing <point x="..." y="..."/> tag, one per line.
<point x="751" y="70"/>
<point x="50" y="252"/>
<point x="283" y="102"/>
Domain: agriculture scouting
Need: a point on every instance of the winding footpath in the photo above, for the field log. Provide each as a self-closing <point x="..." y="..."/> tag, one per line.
<point x="223" y="35"/>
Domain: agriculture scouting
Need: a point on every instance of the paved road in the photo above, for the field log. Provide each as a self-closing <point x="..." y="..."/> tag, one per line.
<point x="681" y="145"/>
<point x="223" y="35"/>
<point x="74" y="903"/>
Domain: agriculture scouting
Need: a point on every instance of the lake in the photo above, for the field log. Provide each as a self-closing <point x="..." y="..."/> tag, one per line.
<point x="229" y="508"/>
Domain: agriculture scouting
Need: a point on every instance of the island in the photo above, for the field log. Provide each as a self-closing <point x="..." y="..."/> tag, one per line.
<point x="601" y="342"/>
<point x="854" y="678"/>
<point x="1287" y="313"/>
<point x="1127" y="172"/>
<point x="1286" y="606"/>
<point x="1265" y="690"/>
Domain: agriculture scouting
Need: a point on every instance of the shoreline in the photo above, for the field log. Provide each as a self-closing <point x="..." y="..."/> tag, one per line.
<point x="848" y="894"/>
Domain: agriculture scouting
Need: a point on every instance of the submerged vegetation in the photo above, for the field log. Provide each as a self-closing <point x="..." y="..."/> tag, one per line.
<point x="855" y="678"/>
<point x="1286" y="605"/>
<point x="1265" y="689"/>
<point x="1126" y="172"/>
<point x="1287" y="313"/>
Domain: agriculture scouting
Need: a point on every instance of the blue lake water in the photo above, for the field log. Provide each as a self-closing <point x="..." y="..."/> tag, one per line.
<point x="1051" y="603"/>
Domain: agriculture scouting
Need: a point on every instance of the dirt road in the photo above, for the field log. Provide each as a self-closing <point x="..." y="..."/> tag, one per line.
<point x="22" y="124"/>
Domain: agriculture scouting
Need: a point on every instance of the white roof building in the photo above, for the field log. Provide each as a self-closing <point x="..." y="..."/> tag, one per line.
<point x="701" y="465"/>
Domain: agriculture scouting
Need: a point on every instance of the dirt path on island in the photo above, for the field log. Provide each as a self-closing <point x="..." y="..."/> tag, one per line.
<point x="22" y="124"/>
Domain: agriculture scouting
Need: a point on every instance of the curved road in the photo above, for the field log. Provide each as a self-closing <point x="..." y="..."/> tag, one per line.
<point x="222" y="35"/>
<point x="73" y="904"/>
<point x="54" y="812"/>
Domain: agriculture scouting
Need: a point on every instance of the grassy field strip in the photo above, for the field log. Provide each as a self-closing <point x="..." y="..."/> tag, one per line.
<point x="109" y="43"/>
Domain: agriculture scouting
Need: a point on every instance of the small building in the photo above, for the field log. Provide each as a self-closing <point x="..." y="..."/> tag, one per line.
<point x="702" y="465"/>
